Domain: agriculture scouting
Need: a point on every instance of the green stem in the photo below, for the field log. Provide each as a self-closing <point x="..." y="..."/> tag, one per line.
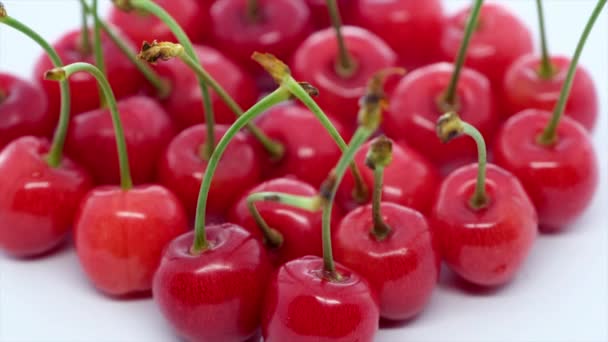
<point x="56" y="152"/>
<point x="546" y="68"/>
<point x="480" y="197"/>
<point x="98" y="51"/>
<point x="63" y="73"/>
<point x="381" y="229"/>
<point x="200" y="240"/>
<point x="450" y="94"/>
<point x="85" y="41"/>
<point x="346" y="65"/>
<point x="549" y="135"/>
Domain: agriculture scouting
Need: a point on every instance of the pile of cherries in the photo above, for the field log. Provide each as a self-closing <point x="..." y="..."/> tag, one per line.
<point x="262" y="159"/>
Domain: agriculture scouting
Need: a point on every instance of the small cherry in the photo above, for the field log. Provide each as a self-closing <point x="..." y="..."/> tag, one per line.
<point x="499" y="39"/>
<point x="339" y="62"/>
<point x="426" y="93"/>
<point x="551" y="154"/>
<point x="535" y="82"/>
<point x="389" y="245"/>
<point x="412" y="28"/>
<point x="482" y="218"/>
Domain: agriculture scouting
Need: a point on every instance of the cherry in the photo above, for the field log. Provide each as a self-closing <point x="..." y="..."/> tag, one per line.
<point x="182" y="166"/>
<point x="23" y="110"/>
<point x="37" y="201"/>
<point x="148" y="129"/>
<point x="412" y="28"/>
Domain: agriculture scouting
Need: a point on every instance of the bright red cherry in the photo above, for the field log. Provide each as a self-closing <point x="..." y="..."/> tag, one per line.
<point x="402" y="268"/>
<point x="315" y="60"/>
<point x="525" y="88"/>
<point x="560" y="178"/>
<point x="412" y="28"/>
<point x="123" y="76"/>
<point x="148" y="130"/>
<point x="302" y="304"/>
<point x="120" y="235"/>
<point x="140" y="27"/>
<point x="414" y="109"/>
<point x="216" y="295"/>
<point x="37" y="202"/>
<point x="23" y="110"/>
<point x="182" y="167"/>
<point x="499" y="39"/>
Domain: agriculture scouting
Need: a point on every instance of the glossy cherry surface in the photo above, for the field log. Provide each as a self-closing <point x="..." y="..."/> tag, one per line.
<point x="485" y="246"/>
<point x="120" y="235"/>
<point x="182" y="167"/>
<point x="217" y="295"/>
<point x="148" y="130"/>
<point x="37" y="202"/>
<point x="412" y="28"/>
<point x="124" y="78"/>
<point x="562" y="178"/>
<point x="302" y="305"/>
<point x="314" y="61"/>
<point x="23" y="110"/>
<point x="414" y="111"/>
<point x="525" y="88"/>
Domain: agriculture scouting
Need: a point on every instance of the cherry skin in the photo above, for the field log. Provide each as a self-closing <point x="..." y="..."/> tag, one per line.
<point x="314" y="61"/>
<point x="417" y="190"/>
<point x="308" y="159"/>
<point x="302" y="305"/>
<point x="414" y="111"/>
<point x="37" y="202"/>
<point x="181" y="169"/>
<point x="124" y="78"/>
<point x="562" y="178"/>
<point x="525" y="88"/>
<point x="185" y="104"/>
<point x="278" y="28"/>
<point x="484" y="246"/>
<point x="412" y="28"/>
<point x="120" y="235"/>
<point x="319" y="12"/>
<point x="217" y="295"/>
<point x="140" y="27"/>
<point x="402" y="269"/>
<point x="499" y="39"/>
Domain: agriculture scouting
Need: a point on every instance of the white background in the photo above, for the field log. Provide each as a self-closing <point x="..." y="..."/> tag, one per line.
<point x="561" y="294"/>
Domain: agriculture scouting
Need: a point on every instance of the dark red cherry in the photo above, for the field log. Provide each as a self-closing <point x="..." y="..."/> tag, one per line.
<point x="37" y="202"/>
<point x="217" y="295"/>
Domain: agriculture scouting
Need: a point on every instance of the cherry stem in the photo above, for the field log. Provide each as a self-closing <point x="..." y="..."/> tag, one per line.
<point x="200" y="240"/>
<point x="85" y="41"/>
<point x="378" y="158"/>
<point x="2" y="96"/>
<point x="546" y="68"/>
<point x="63" y="73"/>
<point x="272" y="237"/>
<point x="98" y="51"/>
<point x="55" y="155"/>
<point x="450" y="126"/>
<point x="346" y="65"/>
<point x="549" y="134"/>
<point x="253" y="10"/>
<point x="450" y="95"/>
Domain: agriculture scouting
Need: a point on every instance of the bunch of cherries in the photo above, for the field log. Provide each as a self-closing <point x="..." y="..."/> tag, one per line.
<point x="261" y="161"/>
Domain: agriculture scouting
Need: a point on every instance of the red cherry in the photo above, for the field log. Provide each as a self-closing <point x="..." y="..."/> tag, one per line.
<point x="37" y="202"/>
<point x="278" y="28"/>
<point x="182" y="167"/>
<point x="217" y="295"/>
<point x="414" y="110"/>
<point x="412" y="28"/>
<point x="416" y="191"/>
<point x="140" y="27"/>
<point x="562" y="178"/>
<point x="525" y="88"/>
<point x="302" y="305"/>
<point x="485" y="246"/>
<point x="120" y="235"/>
<point x="23" y="110"/>
<point x="318" y="11"/>
<point x="148" y="129"/>
<point x="185" y="104"/>
<point x="403" y="268"/>
<point x="124" y="78"/>
<point x="315" y="59"/>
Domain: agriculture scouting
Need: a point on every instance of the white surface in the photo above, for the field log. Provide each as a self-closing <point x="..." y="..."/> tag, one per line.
<point x="561" y="293"/>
